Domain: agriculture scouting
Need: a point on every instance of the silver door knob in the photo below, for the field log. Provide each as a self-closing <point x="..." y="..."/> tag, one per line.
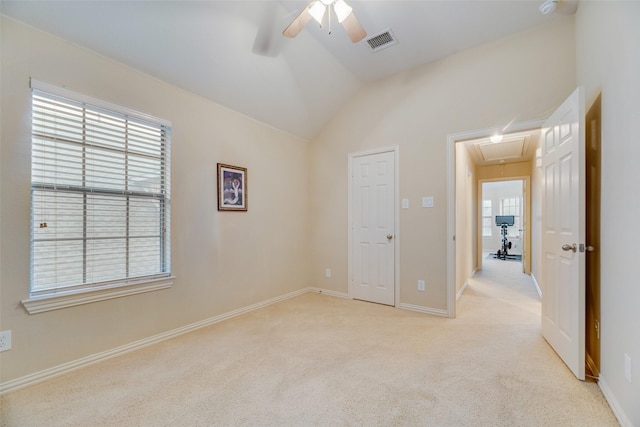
<point x="571" y="248"/>
<point x="389" y="236"/>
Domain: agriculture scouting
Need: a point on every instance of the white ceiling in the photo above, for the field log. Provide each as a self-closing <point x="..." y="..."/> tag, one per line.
<point x="233" y="53"/>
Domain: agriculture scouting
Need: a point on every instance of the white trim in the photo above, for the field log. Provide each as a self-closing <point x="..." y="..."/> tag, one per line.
<point x="535" y="282"/>
<point x="330" y="292"/>
<point x="66" y="93"/>
<point x="451" y="213"/>
<point x="623" y="419"/>
<point x="451" y="228"/>
<point x="426" y="310"/>
<point x="50" y="302"/>
<point x="74" y="365"/>
<point x="462" y="289"/>
<point x="396" y="154"/>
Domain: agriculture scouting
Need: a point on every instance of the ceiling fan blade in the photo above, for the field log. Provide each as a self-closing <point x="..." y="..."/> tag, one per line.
<point x="353" y="28"/>
<point x="298" y="23"/>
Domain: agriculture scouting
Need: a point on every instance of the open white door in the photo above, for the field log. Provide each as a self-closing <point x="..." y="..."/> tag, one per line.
<point x="563" y="232"/>
<point x="373" y="221"/>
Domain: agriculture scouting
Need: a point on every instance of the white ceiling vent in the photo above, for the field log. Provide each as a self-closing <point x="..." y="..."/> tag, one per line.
<point x="382" y="40"/>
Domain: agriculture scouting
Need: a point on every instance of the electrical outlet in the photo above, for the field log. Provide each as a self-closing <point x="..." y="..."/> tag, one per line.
<point x="421" y="285"/>
<point x="5" y="340"/>
<point x="327" y="272"/>
<point x="627" y="367"/>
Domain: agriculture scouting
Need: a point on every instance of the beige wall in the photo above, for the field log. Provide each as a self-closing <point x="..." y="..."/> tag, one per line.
<point x="466" y="195"/>
<point x="222" y="260"/>
<point x="536" y="222"/>
<point x="483" y="87"/>
<point x="608" y="61"/>
<point x="506" y="171"/>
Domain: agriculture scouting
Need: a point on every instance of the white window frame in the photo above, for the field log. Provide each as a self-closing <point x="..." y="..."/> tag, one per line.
<point x="487" y="219"/>
<point x="66" y="296"/>
<point x="511" y="206"/>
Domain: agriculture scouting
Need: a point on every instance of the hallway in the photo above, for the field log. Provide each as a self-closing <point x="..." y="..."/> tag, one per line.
<point x="507" y="280"/>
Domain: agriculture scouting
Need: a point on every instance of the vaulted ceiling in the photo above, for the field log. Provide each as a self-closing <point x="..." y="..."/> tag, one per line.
<point x="233" y="52"/>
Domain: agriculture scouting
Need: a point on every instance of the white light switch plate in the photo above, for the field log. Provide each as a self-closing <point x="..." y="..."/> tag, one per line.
<point x="5" y="340"/>
<point x="405" y="203"/>
<point x="427" y="202"/>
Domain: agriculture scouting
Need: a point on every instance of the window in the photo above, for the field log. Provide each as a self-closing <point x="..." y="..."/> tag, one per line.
<point x="100" y="193"/>
<point x="487" y="215"/>
<point x="511" y="206"/>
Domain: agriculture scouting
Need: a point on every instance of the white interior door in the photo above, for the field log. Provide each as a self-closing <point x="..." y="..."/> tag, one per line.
<point x="373" y="235"/>
<point x="563" y="232"/>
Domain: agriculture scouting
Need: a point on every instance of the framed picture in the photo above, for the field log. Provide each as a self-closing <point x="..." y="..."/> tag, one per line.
<point x="232" y="188"/>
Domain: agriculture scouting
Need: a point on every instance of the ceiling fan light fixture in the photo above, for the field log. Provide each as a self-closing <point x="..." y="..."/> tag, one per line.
<point x="342" y="9"/>
<point x="548" y="7"/>
<point x="496" y="138"/>
<point x="317" y="11"/>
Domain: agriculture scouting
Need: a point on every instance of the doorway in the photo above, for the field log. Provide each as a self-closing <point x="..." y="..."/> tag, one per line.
<point x="593" y="190"/>
<point x="485" y="158"/>
<point x="588" y="245"/>
<point x="502" y="221"/>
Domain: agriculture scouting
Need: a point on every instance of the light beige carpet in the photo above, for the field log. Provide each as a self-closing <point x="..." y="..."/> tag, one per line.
<point x="320" y="360"/>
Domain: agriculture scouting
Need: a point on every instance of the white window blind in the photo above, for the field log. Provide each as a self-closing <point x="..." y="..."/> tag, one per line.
<point x="100" y="193"/>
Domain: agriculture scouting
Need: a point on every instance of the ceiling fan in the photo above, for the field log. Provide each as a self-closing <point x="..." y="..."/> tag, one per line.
<point x="316" y="10"/>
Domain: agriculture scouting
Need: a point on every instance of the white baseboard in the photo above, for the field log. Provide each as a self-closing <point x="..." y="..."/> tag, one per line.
<point x="462" y="289"/>
<point x="422" y="309"/>
<point x="65" y="368"/>
<point x="614" y="404"/>
<point x="535" y="282"/>
<point x="330" y="292"/>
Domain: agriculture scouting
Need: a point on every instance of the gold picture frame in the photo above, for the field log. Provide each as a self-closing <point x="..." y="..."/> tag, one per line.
<point x="232" y="188"/>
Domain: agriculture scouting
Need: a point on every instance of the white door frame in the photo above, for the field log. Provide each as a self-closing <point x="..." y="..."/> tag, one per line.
<point x="452" y="139"/>
<point x="396" y="212"/>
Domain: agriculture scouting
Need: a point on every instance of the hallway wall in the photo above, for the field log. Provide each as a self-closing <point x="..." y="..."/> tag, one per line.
<point x="466" y="216"/>
<point x="608" y="43"/>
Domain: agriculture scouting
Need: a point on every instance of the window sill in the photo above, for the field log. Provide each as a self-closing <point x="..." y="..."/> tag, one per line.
<point x="51" y="302"/>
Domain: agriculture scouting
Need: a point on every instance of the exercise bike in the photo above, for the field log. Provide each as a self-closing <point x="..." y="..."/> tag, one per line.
<point x="504" y="221"/>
